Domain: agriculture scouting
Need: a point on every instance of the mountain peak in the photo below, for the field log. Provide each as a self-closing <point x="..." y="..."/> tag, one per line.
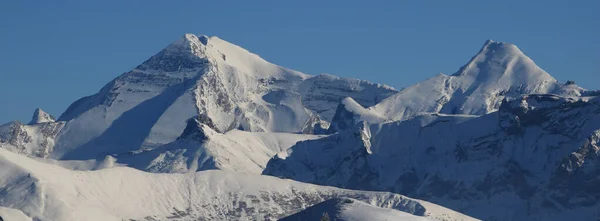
<point x="502" y="63"/>
<point x="39" y="116"/>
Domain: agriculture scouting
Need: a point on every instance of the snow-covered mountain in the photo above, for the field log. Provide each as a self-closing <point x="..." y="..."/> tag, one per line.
<point x="500" y="139"/>
<point x="535" y="158"/>
<point x="499" y="70"/>
<point x="224" y="85"/>
<point x="34" y="190"/>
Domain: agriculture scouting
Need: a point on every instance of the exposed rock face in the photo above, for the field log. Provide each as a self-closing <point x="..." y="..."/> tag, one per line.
<point x="36" y="138"/>
<point x="536" y="157"/>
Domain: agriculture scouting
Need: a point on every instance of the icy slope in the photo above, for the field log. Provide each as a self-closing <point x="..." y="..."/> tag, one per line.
<point x="345" y="209"/>
<point x="536" y="158"/>
<point x="227" y="86"/>
<point x="49" y="192"/>
<point x="499" y="70"/>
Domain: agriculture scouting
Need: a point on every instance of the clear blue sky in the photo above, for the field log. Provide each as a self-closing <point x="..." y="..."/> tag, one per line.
<point x="54" y="52"/>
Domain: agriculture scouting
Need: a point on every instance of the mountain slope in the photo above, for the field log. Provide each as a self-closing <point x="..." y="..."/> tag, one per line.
<point x="499" y="70"/>
<point x="534" y="158"/>
<point x="49" y="192"/>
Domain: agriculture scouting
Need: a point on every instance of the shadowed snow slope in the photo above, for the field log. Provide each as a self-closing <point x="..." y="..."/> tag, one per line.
<point x="497" y="71"/>
<point x="49" y="192"/>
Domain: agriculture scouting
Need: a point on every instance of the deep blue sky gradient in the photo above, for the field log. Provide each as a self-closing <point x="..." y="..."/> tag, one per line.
<point x="54" y="52"/>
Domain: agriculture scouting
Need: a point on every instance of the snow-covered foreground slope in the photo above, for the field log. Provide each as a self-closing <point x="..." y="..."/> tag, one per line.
<point x="536" y="158"/>
<point x="45" y="191"/>
<point x="346" y="209"/>
<point x="499" y="70"/>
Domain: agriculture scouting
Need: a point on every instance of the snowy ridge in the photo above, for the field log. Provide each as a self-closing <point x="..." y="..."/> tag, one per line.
<point x="534" y="158"/>
<point x="349" y="112"/>
<point x="50" y="192"/>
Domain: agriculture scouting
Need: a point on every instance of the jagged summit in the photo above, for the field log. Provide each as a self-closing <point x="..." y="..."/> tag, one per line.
<point x="39" y="116"/>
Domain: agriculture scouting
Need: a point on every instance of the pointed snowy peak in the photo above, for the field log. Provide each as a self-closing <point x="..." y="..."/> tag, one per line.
<point x="499" y="70"/>
<point x="39" y="116"/>
<point x="188" y="52"/>
<point x="503" y="63"/>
